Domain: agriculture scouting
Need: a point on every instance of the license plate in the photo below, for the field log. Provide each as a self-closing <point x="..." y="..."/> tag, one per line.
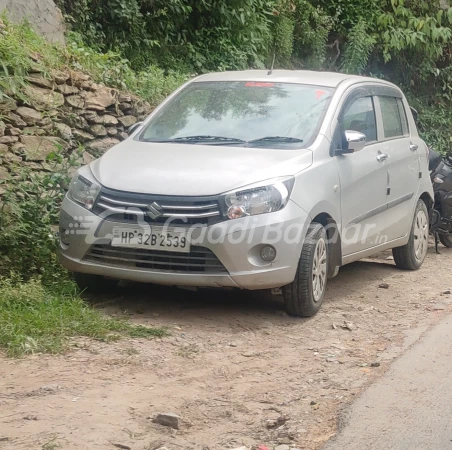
<point x="151" y="239"/>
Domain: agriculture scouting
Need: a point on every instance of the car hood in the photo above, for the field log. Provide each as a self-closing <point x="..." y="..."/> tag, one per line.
<point x="187" y="169"/>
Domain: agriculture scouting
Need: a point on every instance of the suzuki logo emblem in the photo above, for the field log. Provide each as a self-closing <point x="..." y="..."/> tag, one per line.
<point x="154" y="211"/>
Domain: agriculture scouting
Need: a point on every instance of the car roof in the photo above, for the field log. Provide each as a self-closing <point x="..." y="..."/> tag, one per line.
<point x="327" y="79"/>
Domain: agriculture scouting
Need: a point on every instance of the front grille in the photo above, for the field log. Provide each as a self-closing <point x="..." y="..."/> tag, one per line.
<point x="199" y="260"/>
<point x="128" y="207"/>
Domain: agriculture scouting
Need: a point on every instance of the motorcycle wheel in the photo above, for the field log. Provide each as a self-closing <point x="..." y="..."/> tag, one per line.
<point x="446" y="240"/>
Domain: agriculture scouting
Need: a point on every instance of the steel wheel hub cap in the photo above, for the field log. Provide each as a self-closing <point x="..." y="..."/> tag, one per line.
<point x="421" y="236"/>
<point x="319" y="270"/>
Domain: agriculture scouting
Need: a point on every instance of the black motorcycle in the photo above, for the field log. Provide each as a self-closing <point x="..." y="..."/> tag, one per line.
<point x="441" y="220"/>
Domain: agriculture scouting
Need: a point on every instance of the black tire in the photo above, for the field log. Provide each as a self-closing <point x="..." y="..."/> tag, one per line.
<point x="446" y="240"/>
<point x="412" y="255"/>
<point x="94" y="283"/>
<point x="301" y="297"/>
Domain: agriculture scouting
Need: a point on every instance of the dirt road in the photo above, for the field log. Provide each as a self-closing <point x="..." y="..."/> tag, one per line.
<point x="236" y="368"/>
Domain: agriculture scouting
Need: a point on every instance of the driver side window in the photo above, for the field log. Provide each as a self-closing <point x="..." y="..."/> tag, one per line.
<point x="360" y="116"/>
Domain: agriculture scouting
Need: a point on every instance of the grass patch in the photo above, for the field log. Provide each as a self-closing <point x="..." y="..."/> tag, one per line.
<point x="22" y="51"/>
<point x="38" y="319"/>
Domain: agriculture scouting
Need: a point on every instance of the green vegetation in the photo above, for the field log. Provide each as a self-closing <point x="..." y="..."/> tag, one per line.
<point x="34" y="318"/>
<point x="40" y="307"/>
<point x="149" y="48"/>
<point x="22" y="51"/>
<point x="405" y="41"/>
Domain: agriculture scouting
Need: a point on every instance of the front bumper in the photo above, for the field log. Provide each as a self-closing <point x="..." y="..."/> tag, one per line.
<point x="235" y="243"/>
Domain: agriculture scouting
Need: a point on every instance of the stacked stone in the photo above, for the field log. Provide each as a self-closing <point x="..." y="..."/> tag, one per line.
<point x="64" y="113"/>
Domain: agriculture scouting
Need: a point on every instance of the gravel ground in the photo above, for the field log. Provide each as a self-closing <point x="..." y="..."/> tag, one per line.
<point x="236" y="369"/>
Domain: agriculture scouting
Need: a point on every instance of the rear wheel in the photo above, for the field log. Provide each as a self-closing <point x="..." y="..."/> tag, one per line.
<point x="94" y="283"/>
<point x="446" y="240"/>
<point x="304" y="296"/>
<point x="412" y="255"/>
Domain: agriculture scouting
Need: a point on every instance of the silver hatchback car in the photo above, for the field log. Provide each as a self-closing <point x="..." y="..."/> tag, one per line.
<point x="254" y="180"/>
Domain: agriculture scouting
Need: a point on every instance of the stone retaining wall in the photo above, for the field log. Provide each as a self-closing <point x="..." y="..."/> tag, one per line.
<point x="66" y="113"/>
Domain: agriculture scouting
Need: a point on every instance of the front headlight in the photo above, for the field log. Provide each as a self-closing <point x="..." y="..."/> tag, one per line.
<point x="260" y="198"/>
<point x="83" y="191"/>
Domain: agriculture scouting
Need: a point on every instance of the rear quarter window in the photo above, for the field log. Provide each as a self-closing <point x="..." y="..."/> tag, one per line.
<point x="394" y="122"/>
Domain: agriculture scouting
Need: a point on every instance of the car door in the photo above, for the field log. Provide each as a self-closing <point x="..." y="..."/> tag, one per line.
<point x="404" y="166"/>
<point x="363" y="178"/>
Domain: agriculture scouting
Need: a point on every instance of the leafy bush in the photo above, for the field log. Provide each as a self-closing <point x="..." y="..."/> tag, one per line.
<point x="202" y="35"/>
<point x="28" y="215"/>
<point x="358" y="49"/>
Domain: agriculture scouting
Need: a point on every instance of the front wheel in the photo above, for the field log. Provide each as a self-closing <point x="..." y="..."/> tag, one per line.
<point x="446" y="240"/>
<point x="304" y="296"/>
<point x="412" y="255"/>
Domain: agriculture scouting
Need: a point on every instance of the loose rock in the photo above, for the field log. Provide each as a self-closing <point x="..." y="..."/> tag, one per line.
<point x="7" y="104"/>
<point x="40" y="81"/>
<point x="29" y="115"/>
<point x="8" y="139"/>
<point x="34" y="131"/>
<point x="383" y="286"/>
<point x="16" y="120"/>
<point x="100" y="99"/>
<point x="447" y="292"/>
<point x="65" y="89"/>
<point x="4" y="174"/>
<point x="99" y="130"/>
<point x="127" y="121"/>
<point x="64" y="131"/>
<point x="107" y="119"/>
<point x="14" y="131"/>
<point x="38" y="148"/>
<point x="75" y="101"/>
<point x="82" y="136"/>
<point x="87" y="158"/>
<point x="350" y="326"/>
<point x="50" y="388"/>
<point x="60" y="77"/>
<point x="167" y="420"/>
<point x="103" y="144"/>
<point x="112" y="131"/>
<point x="43" y="99"/>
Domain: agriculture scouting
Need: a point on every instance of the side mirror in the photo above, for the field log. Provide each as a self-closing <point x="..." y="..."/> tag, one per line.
<point x="134" y="127"/>
<point x="355" y="140"/>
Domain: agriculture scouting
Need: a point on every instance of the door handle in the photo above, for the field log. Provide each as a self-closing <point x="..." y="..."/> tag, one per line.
<point x="382" y="157"/>
<point x="414" y="147"/>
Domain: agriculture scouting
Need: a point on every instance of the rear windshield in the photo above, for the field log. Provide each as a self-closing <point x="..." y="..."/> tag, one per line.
<point x="244" y="111"/>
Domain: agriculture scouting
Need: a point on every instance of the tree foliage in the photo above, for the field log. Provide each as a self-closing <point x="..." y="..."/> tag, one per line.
<point x="405" y="41"/>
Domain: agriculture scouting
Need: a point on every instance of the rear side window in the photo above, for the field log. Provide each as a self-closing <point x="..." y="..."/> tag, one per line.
<point x="360" y="116"/>
<point x="394" y="125"/>
<point x="406" y="129"/>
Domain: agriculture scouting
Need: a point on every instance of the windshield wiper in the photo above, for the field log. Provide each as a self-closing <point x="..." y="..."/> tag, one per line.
<point x="201" y="138"/>
<point x="207" y="138"/>
<point x="276" y="139"/>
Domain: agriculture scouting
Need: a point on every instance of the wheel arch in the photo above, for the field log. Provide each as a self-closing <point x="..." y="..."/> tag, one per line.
<point x="334" y="241"/>
<point x="427" y="199"/>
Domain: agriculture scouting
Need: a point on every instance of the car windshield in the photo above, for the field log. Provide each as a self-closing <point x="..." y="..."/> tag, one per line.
<point x="254" y="114"/>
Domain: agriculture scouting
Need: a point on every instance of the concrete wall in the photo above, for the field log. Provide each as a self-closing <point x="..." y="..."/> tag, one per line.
<point x="42" y="14"/>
